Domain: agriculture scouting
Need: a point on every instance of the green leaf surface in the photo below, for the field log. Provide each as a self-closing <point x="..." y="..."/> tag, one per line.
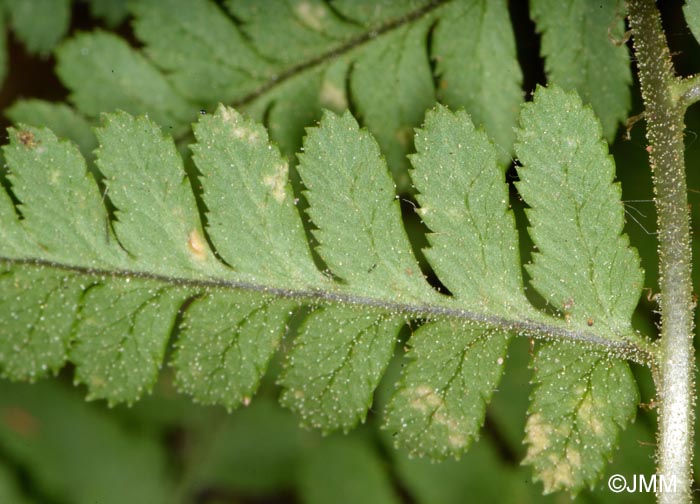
<point x="364" y="12"/>
<point x="15" y="241"/>
<point x="335" y="365"/>
<point x="40" y="24"/>
<point x="582" y="43"/>
<point x="228" y="273"/>
<point x="314" y="35"/>
<point x="324" y="475"/>
<point x="351" y="194"/>
<point x="581" y="402"/>
<point x="35" y="333"/>
<point x="63" y="120"/>
<point x="285" y="49"/>
<point x="134" y="320"/>
<point x="269" y="245"/>
<point x="296" y="103"/>
<point x="9" y="487"/>
<point x="50" y="179"/>
<point x="226" y="342"/>
<point x="439" y="407"/>
<point x="331" y="374"/>
<point x="463" y="199"/>
<point x="104" y="73"/>
<point x="582" y="398"/>
<point x="691" y="11"/>
<point x="64" y="441"/>
<point x="394" y="107"/>
<point x="193" y="41"/>
<point x="584" y="266"/>
<point x="156" y="216"/>
<point x="113" y="12"/>
<point x="310" y="28"/>
<point x="488" y="82"/>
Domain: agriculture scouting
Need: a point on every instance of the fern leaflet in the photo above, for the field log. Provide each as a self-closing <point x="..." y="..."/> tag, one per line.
<point x="114" y="283"/>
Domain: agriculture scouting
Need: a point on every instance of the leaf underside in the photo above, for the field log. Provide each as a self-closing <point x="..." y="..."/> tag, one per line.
<point x="583" y="46"/>
<point x="386" y="61"/>
<point x="691" y="11"/>
<point x="117" y="284"/>
<point x="567" y="181"/>
<point x="293" y="58"/>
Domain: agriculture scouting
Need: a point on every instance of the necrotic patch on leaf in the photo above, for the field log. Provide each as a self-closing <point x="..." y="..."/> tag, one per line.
<point x="196" y="245"/>
<point x="277" y="181"/>
<point x="331" y="96"/>
<point x="310" y="15"/>
<point x="560" y="473"/>
<point x="27" y="139"/>
<point x="239" y="130"/>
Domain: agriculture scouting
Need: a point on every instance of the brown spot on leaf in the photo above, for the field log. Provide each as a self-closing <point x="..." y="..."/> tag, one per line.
<point x="20" y="421"/>
<point x="568" y="304"/>
<point x="27" y="139"/>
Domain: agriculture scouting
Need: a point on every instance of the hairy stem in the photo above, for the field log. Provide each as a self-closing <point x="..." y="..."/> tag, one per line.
<point x="664" y="113"/>
<point x="688" y="90"/>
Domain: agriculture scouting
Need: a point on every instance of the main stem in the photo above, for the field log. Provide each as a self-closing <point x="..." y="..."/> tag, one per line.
<point x="664" y="113"/>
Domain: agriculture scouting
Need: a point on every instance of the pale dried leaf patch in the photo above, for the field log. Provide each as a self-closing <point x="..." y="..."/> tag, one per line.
<point x="230" y="116"/>
<point x="587" y="416"/>
<point x="426" y="399"/>
<point x="277" y="181"/>
<point x="196" y="245"/>
<point x="561" y="471"/>
<point x="310" y="15"/>
<point x="537" y="435"/>
<point x="331" y="96"/>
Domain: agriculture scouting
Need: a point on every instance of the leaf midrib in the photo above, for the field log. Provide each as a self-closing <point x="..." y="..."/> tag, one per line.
<point x="630" y="346"/>
<point x="370" y="34"/>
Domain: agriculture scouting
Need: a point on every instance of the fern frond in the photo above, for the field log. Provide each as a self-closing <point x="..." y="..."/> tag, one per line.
<point x="285" y="61"/>
<point x="101" y="278"/>
<point x="576" y="224"/>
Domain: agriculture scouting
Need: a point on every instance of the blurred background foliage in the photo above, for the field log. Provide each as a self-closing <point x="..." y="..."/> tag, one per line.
<point x="56" y="448"/>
